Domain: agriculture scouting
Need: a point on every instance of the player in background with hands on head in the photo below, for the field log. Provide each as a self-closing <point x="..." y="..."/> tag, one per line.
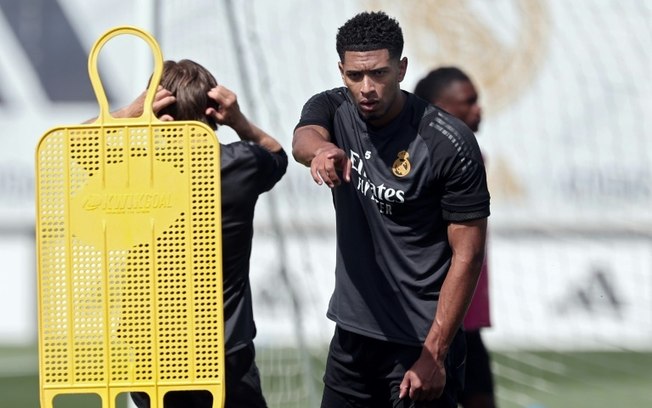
<point x="411" y="204"/>
<point x="249" y="168"/>
<point x="451" y="89"/>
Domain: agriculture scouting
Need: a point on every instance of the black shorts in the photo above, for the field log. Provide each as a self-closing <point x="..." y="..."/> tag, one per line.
<point x="362" y="372"/>
<point x="243" y="388"/>
<point x="478" y="379"/>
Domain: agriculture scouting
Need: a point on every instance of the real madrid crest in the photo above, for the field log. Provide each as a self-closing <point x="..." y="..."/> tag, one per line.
<point x="401" y="166"/>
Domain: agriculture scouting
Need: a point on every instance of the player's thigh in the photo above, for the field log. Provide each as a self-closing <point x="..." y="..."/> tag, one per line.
<point x="478" y="377"/>
<point x="243" y="386"/>
<point x="332" y="398"/>
<point x="365" y="372"/>
<point x="352" y="367"/>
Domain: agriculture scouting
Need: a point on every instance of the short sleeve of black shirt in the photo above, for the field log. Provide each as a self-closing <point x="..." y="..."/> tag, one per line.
<point x="271" y="166"/>
<point x="254" y="167"/>
<point x="320" y="109"/>
<point x="457" y="162"/>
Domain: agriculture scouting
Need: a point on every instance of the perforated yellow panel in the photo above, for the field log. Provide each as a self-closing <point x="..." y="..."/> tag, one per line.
<point x="129" y="248"/>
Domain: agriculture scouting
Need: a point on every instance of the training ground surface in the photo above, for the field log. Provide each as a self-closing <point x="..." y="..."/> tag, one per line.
<point x="524" y="379"/>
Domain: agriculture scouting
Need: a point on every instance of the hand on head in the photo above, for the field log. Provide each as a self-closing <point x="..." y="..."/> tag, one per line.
<point x="162" y="99"/>
<point x="228" y="110"/>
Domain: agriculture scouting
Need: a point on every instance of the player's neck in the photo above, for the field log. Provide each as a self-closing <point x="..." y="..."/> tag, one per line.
<point x="393" y="112"/>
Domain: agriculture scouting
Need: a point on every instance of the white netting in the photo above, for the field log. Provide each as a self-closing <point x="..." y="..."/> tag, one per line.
<point x="566" y="133"/>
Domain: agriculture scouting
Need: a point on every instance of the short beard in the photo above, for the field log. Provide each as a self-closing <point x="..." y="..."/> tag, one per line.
<point x="370" y="117"/>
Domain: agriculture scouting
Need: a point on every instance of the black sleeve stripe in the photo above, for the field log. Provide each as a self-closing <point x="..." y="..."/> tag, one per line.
<point x="467" y="216"/>
<point x="453" y="135"/>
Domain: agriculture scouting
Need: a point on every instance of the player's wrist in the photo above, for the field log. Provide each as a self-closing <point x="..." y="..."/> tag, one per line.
<point x="436" y="352"/>
<point x="436" y="345"/>
<point x="244" y="129"/>
<point x="325" y="148"/>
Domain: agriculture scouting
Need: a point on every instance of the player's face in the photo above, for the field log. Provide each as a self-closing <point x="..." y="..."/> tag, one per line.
<point x="373" y="79"/>
<point x="461" y="100"/>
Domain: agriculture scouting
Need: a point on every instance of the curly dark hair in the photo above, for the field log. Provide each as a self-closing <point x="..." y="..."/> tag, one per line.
<point x="437" y="81"/>
<point x="368" y="31"/>
<point x="189" y="82"/>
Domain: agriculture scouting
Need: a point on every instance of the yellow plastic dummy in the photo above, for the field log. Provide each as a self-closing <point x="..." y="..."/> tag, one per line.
<point x="129" y="253"/>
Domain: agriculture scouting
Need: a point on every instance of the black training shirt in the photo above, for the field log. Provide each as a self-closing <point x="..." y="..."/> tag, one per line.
<point x="247" y="170"/>
<point x="409" y="179"/>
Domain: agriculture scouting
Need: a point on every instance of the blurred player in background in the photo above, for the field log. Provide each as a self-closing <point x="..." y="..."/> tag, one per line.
<point x="411" y="218"/>
<point x="452" y="90"/>
<point x="249" y="168"/>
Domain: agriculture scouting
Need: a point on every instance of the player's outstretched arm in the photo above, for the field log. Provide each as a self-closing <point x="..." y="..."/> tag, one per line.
<point x="426" y="379"/>
<point x="311" y="147"/>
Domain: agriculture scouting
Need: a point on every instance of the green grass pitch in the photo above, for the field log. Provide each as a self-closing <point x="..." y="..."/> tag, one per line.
<point x="523" y="379"/>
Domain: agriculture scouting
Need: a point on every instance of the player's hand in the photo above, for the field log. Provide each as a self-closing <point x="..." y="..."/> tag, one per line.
<point x="425" y="380"/>
<point x="325" y="165"/>
<point x="228" y="110"/>
<point x="162" y="99"/>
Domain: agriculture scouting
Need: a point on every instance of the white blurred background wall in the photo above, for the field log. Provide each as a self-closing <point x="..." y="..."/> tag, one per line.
<point x="567" y="131"/>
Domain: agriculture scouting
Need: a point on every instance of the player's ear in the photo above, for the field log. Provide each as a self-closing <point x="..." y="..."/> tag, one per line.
<point x="341" y="68"/>
<point x="402" y="68"/>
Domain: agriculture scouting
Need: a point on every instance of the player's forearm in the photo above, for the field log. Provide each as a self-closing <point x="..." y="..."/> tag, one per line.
<point x="308" y="141"/>
<point x="468" y="243"/>
<point x="249" y="132"/>
<point x="454" y="300"/>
